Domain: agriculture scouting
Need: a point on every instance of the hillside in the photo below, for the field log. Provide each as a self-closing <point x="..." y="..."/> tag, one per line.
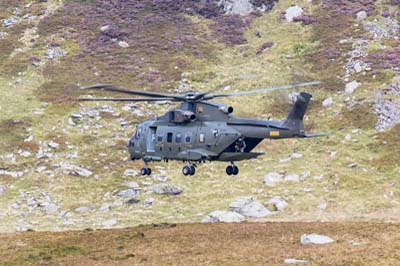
<point x="64" y="164"/>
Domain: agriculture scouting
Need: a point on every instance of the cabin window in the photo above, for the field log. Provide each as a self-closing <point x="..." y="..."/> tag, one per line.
<point x="169" y="137"/>
<point x="187" y="137"/>
<point x="159" y="138"/>
<point x="202" y="137"/>
<point x="178" y="138"/>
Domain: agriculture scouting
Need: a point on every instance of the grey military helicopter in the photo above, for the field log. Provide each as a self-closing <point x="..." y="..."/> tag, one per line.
<point x="199" y="130"/>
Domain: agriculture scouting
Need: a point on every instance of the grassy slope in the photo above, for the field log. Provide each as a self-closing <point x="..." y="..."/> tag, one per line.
<point x="365" y="192"/>
<point x="201" y="244"/>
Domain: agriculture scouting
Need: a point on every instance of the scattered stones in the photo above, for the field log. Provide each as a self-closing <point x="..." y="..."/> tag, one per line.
<point x="109" y="223"/>
<point x="277" y="203"/>
<point x="249" y="206"/>
<point x="128" y="193"/>
<point x="295" y="261"/>
<point x="25" y="154"/>
<point x="383" y="28"/>
<point x="315" y="239"/>
<point x="387" y="106"/>
<point x="162" y="178"/>
<point x="224" y="217"/>
<point x="292" y="12"/>
<point x="327" y="102"/>
<point x="167" y="189"/>
<point x="123" y="44"/>
<point x="130" y="172"/>
<point x="272" y="178"/>
<point x="53" y="145"/>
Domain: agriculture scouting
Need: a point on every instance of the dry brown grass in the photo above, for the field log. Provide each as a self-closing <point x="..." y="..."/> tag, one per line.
<point x="206" y="244"/>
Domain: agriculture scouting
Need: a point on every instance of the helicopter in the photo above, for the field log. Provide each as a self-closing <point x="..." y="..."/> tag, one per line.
<point x="200" y="130"/>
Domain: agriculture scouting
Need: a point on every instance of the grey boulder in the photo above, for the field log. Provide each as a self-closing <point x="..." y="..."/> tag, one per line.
<point x="224" y="217"/>
<point x="250" y="207"/>
<point x="315" y="239"/>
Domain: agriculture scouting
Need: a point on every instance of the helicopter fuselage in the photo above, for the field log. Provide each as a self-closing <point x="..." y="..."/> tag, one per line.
<point x="204" y="131"/>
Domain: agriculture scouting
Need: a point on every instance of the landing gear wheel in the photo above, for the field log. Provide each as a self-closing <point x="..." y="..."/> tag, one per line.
<point x="235" y="170"/>
<point x="229" y="170"/>
<point x="192" y="170"/>
<point x="148" y="171"/>
<point x="186" y="170"/>
<point x="145" y="171"/>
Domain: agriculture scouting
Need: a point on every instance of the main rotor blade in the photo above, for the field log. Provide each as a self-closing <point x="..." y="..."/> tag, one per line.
<point x="263" y="90"/>
<point x="126" y="99"/>
<point x="107" y="87"/>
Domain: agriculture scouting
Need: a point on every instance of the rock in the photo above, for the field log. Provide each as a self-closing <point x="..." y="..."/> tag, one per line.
<point x="295" y="261"/>
<point x="292" y="178"/>
<point x="128" y="193"/>
<point x="31" y="202"/>
<point x="272" y="178"/>
<point x="2" y="189"/>
<point x="358" y="67"/>
<point x="130" y="172"/>
<point x="105" y="207"/>
<point x="162" y="178"/>
<point x="104" y="28"/>
<point x="53" y="145"/>
<point x="327" y="102"/>
<point x="249" y="206"/>
<point x="278" y="203"/>
<point x="25" y="154"/>
<point x="54" y="52"/>
<point x="315" y="239"/>
<point x="132" y="201"/>
<point x="352" y="165"/>
<point x="123" y="44"/>
<point x="224" y="217"/>
<point x="85" y="209"/>
<point x="361" y="15"/>
<point x="322" y="206"/>
<point x="296" y="155"/>
<point x="167" y="189"/>
<point x="11" y="21"/>
<point x="50" y="208"/>
<point x="148" y="201"/>
<point x="236" y="7"/>
<point x="131" y="184"/>
<point x="3" y="35"/>
<point x="109" y="223"/>
<point x="292" y="12"/>
<point x="351" y="86"/>
<point x="81" y="172"/>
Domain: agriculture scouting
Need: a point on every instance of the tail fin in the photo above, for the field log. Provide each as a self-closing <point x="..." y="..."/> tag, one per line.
<point x="294" y="120"/>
